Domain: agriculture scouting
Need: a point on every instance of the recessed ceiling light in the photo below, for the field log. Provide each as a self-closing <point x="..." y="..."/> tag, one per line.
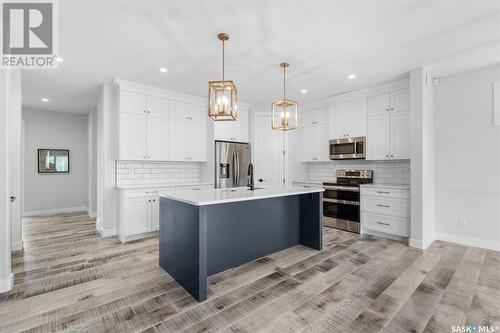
<point x="304" y="91"/>
<point x="45" y="99"/>
<point x="59" y="59"/>
<point x="163" y="69"/>
<point x="351" y="76"/>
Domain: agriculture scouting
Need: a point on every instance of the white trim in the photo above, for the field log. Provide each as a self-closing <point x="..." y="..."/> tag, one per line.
<point x="6" y="284"/>
<point x="107" y="232"/>
<point x="55" y="211"/>
<point x="496" y="103"/>
<point x="469" y="241"/>
<point x="420" y="244"/>
<point x="384" y="235"/>
<point x="370" y="91"/>
<point x="17" y="246"/>
<point x="91" y="214"/>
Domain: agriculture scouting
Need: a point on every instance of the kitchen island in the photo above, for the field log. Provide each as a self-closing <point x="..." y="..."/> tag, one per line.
<point x="209" y="231"/>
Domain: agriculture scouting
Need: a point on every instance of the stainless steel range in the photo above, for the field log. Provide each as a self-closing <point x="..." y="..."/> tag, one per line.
<point x="341" y="199"/>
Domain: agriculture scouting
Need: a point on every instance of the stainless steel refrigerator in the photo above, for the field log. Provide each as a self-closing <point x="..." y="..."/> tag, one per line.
<point x="231" y="164"/>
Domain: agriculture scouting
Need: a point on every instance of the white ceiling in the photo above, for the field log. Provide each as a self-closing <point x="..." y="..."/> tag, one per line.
<point x="324" y="41"/>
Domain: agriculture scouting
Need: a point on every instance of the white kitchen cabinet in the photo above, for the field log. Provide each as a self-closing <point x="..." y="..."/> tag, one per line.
<point x="197" y="113"/>
<point x="314" y="143"/>
<point x="157" y="138"/>
<point x="187" y="140"/>
<point x="132" y="102"/>
<point x="197" y="141"/>
<point x="178" y="110"/>
<point x="314" y="117"/>
<point x="348" y="119"/>
<point x="155" y="213"/>
<point x="137" y="216"/>
<point x="385" y="209"/>
<point x="177" y="140"/>
<point x="236" y="131"/>
<point x="132" y="136"/>
<point x="389" y="126"/>
<point x="157" y="107"/>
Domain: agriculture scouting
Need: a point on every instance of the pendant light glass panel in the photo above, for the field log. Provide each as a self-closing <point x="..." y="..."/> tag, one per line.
<point x="284" y="113"/>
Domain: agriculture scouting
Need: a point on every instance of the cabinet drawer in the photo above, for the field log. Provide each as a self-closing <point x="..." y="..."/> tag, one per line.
<point x="140" y="193"/>
<point x="386" y="206"/>
<point x="391" y="225"/>
<point x="386" y="192"/>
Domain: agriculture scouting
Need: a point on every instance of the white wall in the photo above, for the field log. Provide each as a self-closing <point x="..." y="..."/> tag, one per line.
<point x="55" y="192"/>
<point x="92" y="162"/>
<point x="10" y="93"/>
<point x="467" y="159"/>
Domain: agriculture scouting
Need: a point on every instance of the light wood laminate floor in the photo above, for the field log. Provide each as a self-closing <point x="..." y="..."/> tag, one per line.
<point x="68" y="278"/>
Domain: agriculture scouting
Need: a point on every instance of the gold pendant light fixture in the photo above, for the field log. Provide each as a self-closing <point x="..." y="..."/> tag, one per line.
<point x="284" y="113"/>
<point x="222" y="95"/>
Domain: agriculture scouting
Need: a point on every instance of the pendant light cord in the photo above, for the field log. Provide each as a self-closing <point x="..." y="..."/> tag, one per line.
<point x="223" y="60"/>
<point x="284" y="82"/>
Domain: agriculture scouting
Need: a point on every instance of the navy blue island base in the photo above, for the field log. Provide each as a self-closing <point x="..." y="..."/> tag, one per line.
<point x="199" y="241"/>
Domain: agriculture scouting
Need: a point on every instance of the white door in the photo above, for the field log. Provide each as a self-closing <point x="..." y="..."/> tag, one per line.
<point x="137" y="218"/>
<point x="356" y="117"/>
<point x="322" y="144"/>
<point x="132" y="144"/>
<point x="177" y="140"/>
<point x="337" y="121"/>
<point x="400" y="135"/>
<point x="155" y="213"/>
<point x="178" y="110"/>
<point x="400" y="100"/>
<point x="197" y="141"/>
<point x="240" y="127"/>
<point x="268" y="152"/>
<point x="132" y="102"/>
<point x="308" y="143"/>
<point x="157" y="141"/>
<point x="157" y="107"/>
<point x="378" y="105"/>
<point x="377" y="140"/>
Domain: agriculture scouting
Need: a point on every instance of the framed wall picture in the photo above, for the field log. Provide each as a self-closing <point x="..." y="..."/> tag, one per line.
<point x="53" y="161"/>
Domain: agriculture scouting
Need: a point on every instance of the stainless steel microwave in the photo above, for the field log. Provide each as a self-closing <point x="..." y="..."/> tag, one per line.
<point x="348" y="148"/>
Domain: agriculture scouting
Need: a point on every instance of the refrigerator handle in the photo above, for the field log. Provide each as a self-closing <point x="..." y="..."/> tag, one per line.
<point x="237" y="169"/>
<point x="234" y="168"/>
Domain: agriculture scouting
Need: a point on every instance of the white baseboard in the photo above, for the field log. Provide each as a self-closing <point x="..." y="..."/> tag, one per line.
<point x="55" y="211"/>
<point x="469" y="241"/>
<point x="420" y="244"/>
<point x="16" y="246"/>
<point x="91" y="214"/>
<point x="6" y="284"/>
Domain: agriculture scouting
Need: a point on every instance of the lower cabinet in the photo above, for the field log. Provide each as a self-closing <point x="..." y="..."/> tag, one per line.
<point x="386" y="210"/>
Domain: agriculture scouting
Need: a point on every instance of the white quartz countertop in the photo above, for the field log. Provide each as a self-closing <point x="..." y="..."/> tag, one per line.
<point x="390" y="186"/>
<point x="205" y="197"/>
<point x="156" y="186"/>
<point x="315" y="182"/>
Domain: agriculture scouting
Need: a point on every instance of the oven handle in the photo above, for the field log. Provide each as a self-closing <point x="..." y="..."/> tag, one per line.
<point x="345" y="202"/>
<point x="342" y="188"/>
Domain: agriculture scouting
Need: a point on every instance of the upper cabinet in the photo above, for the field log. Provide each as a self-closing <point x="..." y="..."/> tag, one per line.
<point x="347" y="119"/>
<point x="160" y="129"/>
<point x="236" y="131"/>
<point x="314" y="135"/>
<point x="389" y="126"/>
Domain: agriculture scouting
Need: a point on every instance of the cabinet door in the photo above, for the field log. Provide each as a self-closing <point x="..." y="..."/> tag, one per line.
<point x="157" y="106"/>
<point x="400" y="135"/>
<point x="378" y="105"/>
<point x="137" y="218"/>
<point x="155" y="213"/>
<point x="337" y="121"/>
<point x="322" y="144"/>
<point x="197" y="113"/>
<point x="240" y="127"/>
<point x="321" y="116"/>
<point x="356" y="117"/>
<point x="197" y="141"/>
<point x="178" y="110"/>
<point x="223" y="130"/>
<point x="132" y="136"/>
<point x="177" y="140"/>
<point x="132" y="102"/>
<point x="308" y="143"/>
<point x="377" y="140"/>
<point x="308" y="118"/>
<point x="400" y="100"/>
<point x="157" y="141"/>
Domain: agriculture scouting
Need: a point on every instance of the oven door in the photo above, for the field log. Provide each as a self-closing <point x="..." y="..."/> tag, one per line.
<point x="350" y="148"/>
<point x="341" y="207"/>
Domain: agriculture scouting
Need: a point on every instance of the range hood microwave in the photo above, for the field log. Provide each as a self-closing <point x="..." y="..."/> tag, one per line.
<point x="348" y="148"/>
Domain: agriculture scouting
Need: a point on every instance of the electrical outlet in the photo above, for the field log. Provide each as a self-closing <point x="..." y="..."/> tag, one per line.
<point x="462" y="222"/>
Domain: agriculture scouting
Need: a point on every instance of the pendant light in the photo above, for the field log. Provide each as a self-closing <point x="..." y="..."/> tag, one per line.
<point x="222" y="94"/>
<point x="284" y="113"/>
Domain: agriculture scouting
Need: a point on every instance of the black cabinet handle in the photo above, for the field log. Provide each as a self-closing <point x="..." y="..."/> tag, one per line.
<point x="12" y="199"/>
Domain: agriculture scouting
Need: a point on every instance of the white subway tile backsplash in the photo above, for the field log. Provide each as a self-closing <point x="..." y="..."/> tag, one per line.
<point x="139" y="173"/>
<point x="384" y="172"/>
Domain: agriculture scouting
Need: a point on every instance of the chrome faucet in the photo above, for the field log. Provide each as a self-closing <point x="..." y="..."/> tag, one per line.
<point x="250" y="182"/>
